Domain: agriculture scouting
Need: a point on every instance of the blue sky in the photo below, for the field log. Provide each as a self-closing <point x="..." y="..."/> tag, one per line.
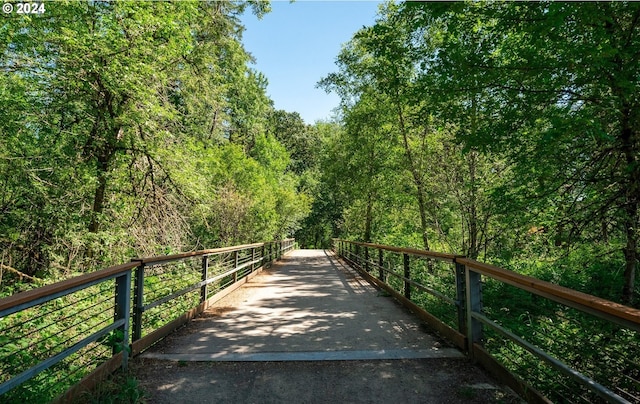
<point x="296" y="45"/>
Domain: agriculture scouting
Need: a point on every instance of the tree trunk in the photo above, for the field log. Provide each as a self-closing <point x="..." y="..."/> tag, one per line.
<point x="630" y="144"/>
<point x="423" y="217"/>
<point x="473" y="210"/>
<point x="370" y="198"/>
<point x="99" y="194"/>
<point x="105" y="154"/>
<point x="368" y="218"/>
<point x="631" y="260"/>
<point x="420" y="192"/>
<point x="473" y="196"/>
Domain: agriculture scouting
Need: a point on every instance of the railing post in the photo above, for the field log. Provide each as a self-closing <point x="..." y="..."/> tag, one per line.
<point x="366" y="258"/>
<point x="267" y="249"/>
<point x="235" y="266"/>
<point x="357" y="256"/>
<point x="473" y="305"/>
<point x="264" y="258"/>
<point x="138" y="302"/>
<point x="407" y="276"/>
<point x="204" y="290"/>
<point x="461" y="298"/>
<point x="253" y="259"/>
<point x="121" y="312"/>
<point x="380" y="264"/>
<point x="354" y="252"/>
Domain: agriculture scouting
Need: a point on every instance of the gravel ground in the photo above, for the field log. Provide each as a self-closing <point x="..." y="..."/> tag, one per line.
<point x="393" y="381"/>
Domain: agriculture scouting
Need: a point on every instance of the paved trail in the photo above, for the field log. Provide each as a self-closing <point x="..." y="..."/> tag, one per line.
<point x="309" y="330"/>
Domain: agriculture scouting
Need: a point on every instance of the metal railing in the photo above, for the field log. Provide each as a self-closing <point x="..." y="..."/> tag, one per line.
<point x="546" y="341"/>
<point x="74" y="332"/>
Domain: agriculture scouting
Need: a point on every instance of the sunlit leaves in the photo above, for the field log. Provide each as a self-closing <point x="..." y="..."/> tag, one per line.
<point x="134" y="128"/>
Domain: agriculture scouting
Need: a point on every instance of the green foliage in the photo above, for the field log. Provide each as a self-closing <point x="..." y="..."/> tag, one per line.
<point x="137" y="129"/>
<point x="119" y="388"/>
<point x="508" y="132"/>
<point x="598" y="348"/>
<point x="505" y="131"/>
<point x="326" y="187"/>
<point x="502" y="131"/>
<point x="38" y="333"/>
<point x="301" y="141"/>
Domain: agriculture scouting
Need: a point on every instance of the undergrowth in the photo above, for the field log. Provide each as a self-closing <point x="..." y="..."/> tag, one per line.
<point x="119" y="388"/>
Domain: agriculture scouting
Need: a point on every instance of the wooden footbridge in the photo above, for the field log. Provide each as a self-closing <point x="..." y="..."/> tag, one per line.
<point x="286" y="325"/>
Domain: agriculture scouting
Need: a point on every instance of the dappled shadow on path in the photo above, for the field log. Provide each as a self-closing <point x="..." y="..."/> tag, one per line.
<point x="308" y="302"/>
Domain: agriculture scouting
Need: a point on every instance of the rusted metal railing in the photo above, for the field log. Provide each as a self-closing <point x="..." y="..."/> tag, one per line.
<point x="545" y="340"/>
<point x="51" y="335"/>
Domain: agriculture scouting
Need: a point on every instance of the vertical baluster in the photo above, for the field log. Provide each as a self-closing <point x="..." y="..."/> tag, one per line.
<point x="473" y="304"/>
<point x="461" y="298"/>
<point x="366" y="258"/>
<point x="204" y="290"/>
<point x="253" y="259"/>
<point x="235" y="266"/>
<point x="121" y="312"/>
<point x="138" y="302"/>
<point x="407" y="275"/>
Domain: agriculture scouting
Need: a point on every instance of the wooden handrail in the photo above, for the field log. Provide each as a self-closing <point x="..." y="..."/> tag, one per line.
<point x="471" y="320"/>
<point x="410" y="251"/>
<point x="550" y="290"/>
<point x="119" y="279"/>
<point x="212" y="251"/>
<point x="48" y="290"/>
<point x="534" y="285"/>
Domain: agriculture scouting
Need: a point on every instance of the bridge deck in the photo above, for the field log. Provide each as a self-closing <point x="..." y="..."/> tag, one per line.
<point x="309" y="330"/>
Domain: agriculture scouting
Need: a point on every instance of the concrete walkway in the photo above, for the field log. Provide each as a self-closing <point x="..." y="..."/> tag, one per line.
<point x="309" y="330"/>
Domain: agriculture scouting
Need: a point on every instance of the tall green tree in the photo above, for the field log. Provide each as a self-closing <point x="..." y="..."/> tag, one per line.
<point x="135" y="128"/>
<point x="523" y="115"/>
<point x="301" y="140"/>
<point x="379" y="58"/>
<point x="390" y="61"/>
<point x="561" y="82"/>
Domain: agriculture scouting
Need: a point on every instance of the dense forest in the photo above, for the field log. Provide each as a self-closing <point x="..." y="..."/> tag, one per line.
<point x="136" y="129"/>
<point x="508" y="132"/>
